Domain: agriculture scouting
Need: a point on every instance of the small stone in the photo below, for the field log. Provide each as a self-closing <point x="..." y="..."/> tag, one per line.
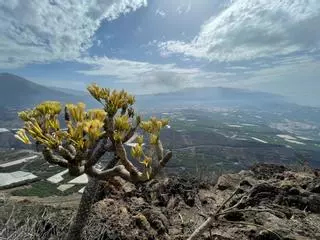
<point x="314" y="203"/>
<point x="315" y="188"/>
<point x="128" y="188"/>
<point x="227" y="181"/>
<point x="142" y="222"/>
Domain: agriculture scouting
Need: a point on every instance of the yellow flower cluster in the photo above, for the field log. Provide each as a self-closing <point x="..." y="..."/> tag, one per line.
<point x="22" y="136"/>
<point x="27" y="115"/>
<point x="96" y="114"/>
<point x="77" y="112"/>
<point x="153" y="127"/>
<point x="117" y="136"/>
<point x="51" y="108"/>
<point x="97" y="92"/>
<point x="121" y="123"/>
<point x="84" y="129"/>
<point x="48" y="109"/>
<point x="42" y="124"/>
<point x="137" y="151"/>
<point x="39" y="134"/>
<point x="112" y="100"/>
<point x="84" y="134"/>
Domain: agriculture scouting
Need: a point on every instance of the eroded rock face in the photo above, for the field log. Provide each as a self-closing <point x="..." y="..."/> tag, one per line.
<point x="174" y="208"/>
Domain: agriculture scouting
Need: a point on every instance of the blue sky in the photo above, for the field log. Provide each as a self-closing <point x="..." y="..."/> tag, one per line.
<point x="163" y="45"/>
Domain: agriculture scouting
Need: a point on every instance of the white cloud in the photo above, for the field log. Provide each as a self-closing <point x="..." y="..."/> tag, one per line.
<point x="155" y="77"/>
<point x="303" y="71"/>
<point x="39" y="31"/>
<point x="184" y="9"/>
<point x="250" y="29"/>
<point x="298" y="80"/>
<point x="161" y="13"/>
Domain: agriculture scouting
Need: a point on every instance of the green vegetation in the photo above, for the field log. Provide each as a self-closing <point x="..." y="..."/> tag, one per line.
<point x="45" y="189"/>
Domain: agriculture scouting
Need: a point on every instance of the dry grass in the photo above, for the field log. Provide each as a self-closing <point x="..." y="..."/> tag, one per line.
<point x="28" y="221"/>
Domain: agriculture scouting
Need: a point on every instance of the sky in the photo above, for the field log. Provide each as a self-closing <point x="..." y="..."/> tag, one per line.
<point x="151" y="46"/>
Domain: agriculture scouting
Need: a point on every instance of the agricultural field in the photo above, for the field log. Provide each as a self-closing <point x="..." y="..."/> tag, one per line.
<point x="204" y="144"/>
<point x="32" y="176"/>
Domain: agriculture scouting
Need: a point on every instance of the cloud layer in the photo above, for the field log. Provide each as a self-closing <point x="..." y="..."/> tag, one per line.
<point x="36" y="31"/>
<point x="251" y="29"/>
<point x="267" y="44"/>
<point x="155" y="77"/>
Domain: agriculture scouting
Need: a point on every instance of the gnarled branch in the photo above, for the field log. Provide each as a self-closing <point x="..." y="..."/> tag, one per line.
<point x="53" y="159"/>
<point x="119" y="170"/>
<point x="122" y="154"/>
<point x="159" y="150"/>
<point x="98" y="151"/>
<point x="66" y="154"/>
<point x="162" y="164"/>
<point x="130" y="134"/>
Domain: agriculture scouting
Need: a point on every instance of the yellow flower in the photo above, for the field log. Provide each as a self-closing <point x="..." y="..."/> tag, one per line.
<point x="153" y="126"/>
<point x="117" y="136"/>
<point x="154" y="139"/>
<point x="34" y="128"/>
<point x="146" y="126"/>
<point x="53" y="124"/>
<point x="136" y="151"/>
<point x="164" y="122"/>
<point x="22" y="136"/>
<point x="98" y="114"/>
<point x="49" y="107"/>
<point x="147" y="162"/>
<point x="95" y="91"/>
<point x="93" y="129"/>
<point x="131" y="100"/>
<point x="122" y="123"/>
<point x="26" y="115"/>
<point x="140" y="140"/>
<point x="77" y="111"/>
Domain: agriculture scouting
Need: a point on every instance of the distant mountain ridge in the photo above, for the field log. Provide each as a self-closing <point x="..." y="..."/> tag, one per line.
<point x="16" y="91"/>
<point x="19" y="92"/>
<point x="71" y="91"/>
<point x="214" y="96"/>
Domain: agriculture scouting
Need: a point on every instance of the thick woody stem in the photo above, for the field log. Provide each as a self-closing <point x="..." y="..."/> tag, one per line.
<point x="159" y="150"/>
<point x="109" y="173"/>
<point x="66" y="154"/>
<point x="52" y="159"/>
<point x="130" y="134"/>
<point x="122" y="154"/>
<point x="99" y="150"/>
<point x="162" y="164"/>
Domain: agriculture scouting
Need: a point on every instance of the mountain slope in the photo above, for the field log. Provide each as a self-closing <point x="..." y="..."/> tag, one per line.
<point x="18" y="92"/>
<point x="212" y="96"/>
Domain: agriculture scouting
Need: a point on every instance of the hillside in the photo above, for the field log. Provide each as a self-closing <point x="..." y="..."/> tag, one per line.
<point x="271" y="202"/>
<point x="19" y="92"/>
<point x="213" y="96"/>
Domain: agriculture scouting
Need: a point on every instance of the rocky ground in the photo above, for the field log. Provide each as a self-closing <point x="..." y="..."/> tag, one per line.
<point x="269" y="202"/>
